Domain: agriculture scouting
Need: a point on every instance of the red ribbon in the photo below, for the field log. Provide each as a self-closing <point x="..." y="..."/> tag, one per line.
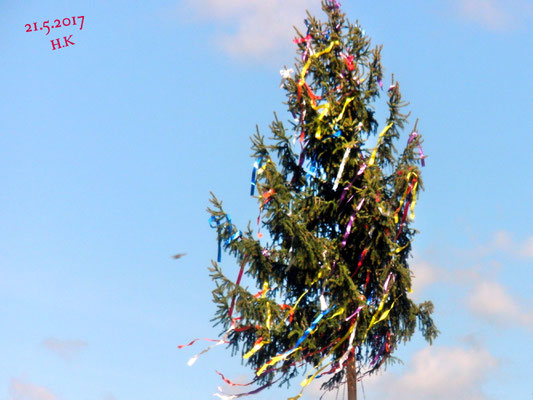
<point x="181" y="346"/>
<point x="234" y="384"/>
<point x="302" y="40"/>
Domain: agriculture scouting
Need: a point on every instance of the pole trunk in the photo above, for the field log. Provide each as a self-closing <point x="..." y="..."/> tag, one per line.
<point x="351" y="373"/>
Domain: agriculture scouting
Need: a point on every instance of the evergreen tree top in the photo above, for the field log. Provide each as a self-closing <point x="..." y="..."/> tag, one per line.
<point x="337" y="201"/>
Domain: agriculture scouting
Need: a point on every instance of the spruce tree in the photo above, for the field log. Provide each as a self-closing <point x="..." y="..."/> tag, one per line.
<point x="336" y="204"/>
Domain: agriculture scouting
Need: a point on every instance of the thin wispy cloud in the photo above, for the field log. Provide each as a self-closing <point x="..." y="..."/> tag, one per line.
<point x="503" y="241"/>
<point x="438" y="373"/>
<point x="254" y="29"/>
<point x="493" y="303"/>
<point x="486" y="297"/>
<point x="526" y="248"/>
<point x="66" y="349"/>
<point x="424" y="274"/>
<point x="22" y="390"/>
<point x="433" y="373"/>
<point x="498" y="15"/>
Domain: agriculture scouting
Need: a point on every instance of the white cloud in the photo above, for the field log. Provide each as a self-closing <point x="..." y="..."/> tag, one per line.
<point x="495" y="14"/>
<point x="424" y="274"/>
<point x="437" y="373"/>
<point x="503" y="241"/>
<point x="490" y="301"/>
<point x="526" y="248"/>
<point x="433" y="373"/>
<point x="254" y="28"/>
<point x="21" y="390"/>
<point x="66" y="349"/>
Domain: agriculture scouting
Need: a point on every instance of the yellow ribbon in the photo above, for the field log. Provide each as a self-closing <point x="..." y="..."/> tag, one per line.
<point x="262" y="168"/>
<point x="413" y="190"/>
<point x="348" y="100"/>
<point x="385" y="314"/>
<point x="283" y="356"/>
<point x="274" y="360"/>
<point x="413" y="202"/>
<point x="301" y="82"/>
<point x="316" y="55"/>
<point x="259" y="345"/>
<point x="255" y="349"/>
<point x="373" y="322"/>
<point x="326" y="107"/>
<point x="312" y="377"/>
<point x="339" y="312"/>
<point x="373" y="156"/>
<point x="399" y="249"/>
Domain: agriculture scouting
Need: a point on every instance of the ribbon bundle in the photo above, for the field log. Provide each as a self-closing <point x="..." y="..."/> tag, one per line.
<point x="215" y="223"/>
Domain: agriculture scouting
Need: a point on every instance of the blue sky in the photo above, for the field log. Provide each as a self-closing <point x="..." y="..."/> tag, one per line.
<point x="109" y="148"/>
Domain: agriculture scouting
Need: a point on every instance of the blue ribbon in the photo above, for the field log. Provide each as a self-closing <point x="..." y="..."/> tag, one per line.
<point x="215" y="223"/>
<point x="308" y="25"/>
<point x="312" y="326"/>
<point x="370" y="298"/>
<point x="257" y="165"/>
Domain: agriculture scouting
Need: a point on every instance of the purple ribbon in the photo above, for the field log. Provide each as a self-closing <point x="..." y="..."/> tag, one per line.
<point x="302" y="158"/>
<point x="412" y="136"/>
<point x="334" y="4"/>
<point x="380" y="353"/>
<point x="355" y="313"/>
<point x="350" y="223"/>
<point x="387" y="282"/>
<point x="420" y="152"/>
<point x="345" y="190"/>
<point x="348" y="229"/>
<point x="422" y="156"/>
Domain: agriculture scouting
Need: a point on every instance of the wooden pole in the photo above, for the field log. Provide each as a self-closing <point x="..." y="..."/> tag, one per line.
<point x="351" y="374"/>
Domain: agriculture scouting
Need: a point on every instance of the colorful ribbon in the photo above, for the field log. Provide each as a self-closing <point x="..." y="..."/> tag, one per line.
<point x="224" y="339"/>
<point x="373" y="156"/>
<point x="254" y="176"/>
<point x="214" y="222"/>
<point x="420" y="151"/>
<point x="308" y="331"/>
<point x="310" y="378"/>
<point x="302" y="40"/>
<point x="225" y="396"/>
<point x="355" y="313"/>
<point x="333" y="4"/>
<point x="181" y="346"/>
<point x="259" y="343"/>
<point x="410" y="188"/>
<point x="348" y="60"/>
<point x="346" y="354"/>
<point x="302" y="82"/>
<point x="259" y="167"/>
<point x="239" y="277"/>
<point x="350" y="223"/>
<point x="232" y="383"/>
<point x="267" y="196"/>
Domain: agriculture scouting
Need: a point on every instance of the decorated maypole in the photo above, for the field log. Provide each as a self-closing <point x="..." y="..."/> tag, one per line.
<point x="336" y="204"/>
